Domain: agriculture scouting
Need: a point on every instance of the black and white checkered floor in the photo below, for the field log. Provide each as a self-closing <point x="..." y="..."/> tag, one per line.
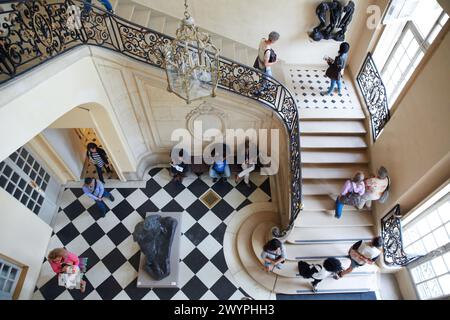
<point x="114" y="257"/>
<point x="309" y="86"/>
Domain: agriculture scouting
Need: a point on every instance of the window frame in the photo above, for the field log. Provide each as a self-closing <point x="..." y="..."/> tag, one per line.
<point x="424" y="46"/>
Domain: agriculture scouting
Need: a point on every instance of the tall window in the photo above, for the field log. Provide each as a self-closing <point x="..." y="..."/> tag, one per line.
<point x="427" y="232"/>
<point x="406" y="43"/>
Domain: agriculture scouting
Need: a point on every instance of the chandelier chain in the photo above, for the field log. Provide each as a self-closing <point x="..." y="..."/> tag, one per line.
<point x="186" y="13"/>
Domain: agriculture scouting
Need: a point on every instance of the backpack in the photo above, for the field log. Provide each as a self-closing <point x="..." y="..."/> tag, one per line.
<point x="306" y="270"/>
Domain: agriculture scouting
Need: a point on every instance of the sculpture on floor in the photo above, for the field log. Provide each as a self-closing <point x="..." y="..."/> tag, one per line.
<point x="155" y="236"/>
<point x="340" y="18"/>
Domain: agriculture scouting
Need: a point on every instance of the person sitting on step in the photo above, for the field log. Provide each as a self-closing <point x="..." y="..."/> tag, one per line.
<point x="363" y="252"/>
<point x="350" y="194"/>
<point x="376" y="188"/>
<point x="274" y="254"/>
<point x="95" y="190"/>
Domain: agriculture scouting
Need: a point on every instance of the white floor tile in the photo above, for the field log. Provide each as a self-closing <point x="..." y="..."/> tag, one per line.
<point x="122" y="296"/>
<point x="209" y="247"/>
<point x="179" y="296"/>
<point x="185" y="198"/>
<point x="61" y="221"/>
<point x="65" y="295"/>
<point x="259" y="196"/>
<point x="161" y="198"/>
<point x="93" y="296"/>
<point x="77" y="245"/>
<point x="108" y="222"/>
<point x="187" y="221"/>
<point x="97" y="274"/>
<point x="103" y="246"/>
<point x="234" y="198"/>
<point x="67" y="198"/>
<point x="83" y="221"/>
<point x="128" y="247"/>
<point x="209" y="221"/>
<point x="137" y="198"/>
<point x="185" y="273"/>
<point x="186" y="247"/>
<point x="125" y="274"/>
<point x="132" y="220"/>
<point x="209" y="296"/>
<point x="117" y="199"/>
<point x="162" y="177"/>
<point x="151" y="296"/>
<point x="209" y="274"/>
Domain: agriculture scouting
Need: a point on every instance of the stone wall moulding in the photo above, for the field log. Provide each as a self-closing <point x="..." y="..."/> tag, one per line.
<point x="210" y="117"/>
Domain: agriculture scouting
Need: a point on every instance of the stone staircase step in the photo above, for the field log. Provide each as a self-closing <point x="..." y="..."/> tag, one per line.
<point x="322" y="187"/>
<point x="332" y="127"/>
<point x="350" y="235"/>
<point x="355" y="283"/>
<point x="330" y="114"/>
<point x="316" y="251"/>
<point x="333" y="142"/>
<point x="326" y="219"/>
<point x="331" y="172"/>
<point x="322" y="203"/>
<point x="334" y="157"/>
<point x="125" y="10"/>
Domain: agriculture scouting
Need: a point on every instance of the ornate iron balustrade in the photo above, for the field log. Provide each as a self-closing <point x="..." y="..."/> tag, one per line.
<point x="374" y="93"/>
<point x="391" y="232"/>
<point x="33" y="32"/>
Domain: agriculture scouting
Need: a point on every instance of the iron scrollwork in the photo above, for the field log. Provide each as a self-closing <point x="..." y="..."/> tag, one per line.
<point x="391" y="233"/>
<point x="33" y="32"/>
<point x="374" y="93"/>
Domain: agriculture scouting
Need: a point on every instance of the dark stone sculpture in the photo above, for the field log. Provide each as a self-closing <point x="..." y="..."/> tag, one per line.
<point x="337" y="21"/>
<point x="155" y="236"/>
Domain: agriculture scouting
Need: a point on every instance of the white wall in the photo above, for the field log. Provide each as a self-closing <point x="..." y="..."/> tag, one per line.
<point x="23" y="237"/>
<point x="248" y="21"/>
<point x="67" y="146"/>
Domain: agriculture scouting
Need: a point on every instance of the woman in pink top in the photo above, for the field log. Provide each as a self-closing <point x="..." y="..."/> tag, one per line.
<point x="60" y="260"/>
<point x="350" y="194"/>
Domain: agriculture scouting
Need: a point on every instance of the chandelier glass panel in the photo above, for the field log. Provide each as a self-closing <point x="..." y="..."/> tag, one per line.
<point x="191" y="62"/>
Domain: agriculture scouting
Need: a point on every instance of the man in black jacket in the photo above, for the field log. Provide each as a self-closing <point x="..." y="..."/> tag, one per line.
<point x="99" y="158"/>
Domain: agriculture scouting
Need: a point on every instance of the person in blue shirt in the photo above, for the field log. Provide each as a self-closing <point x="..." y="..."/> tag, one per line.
<point x="95" y="190"/>
<point x="220" y="169"/>
<point x="87" y="6"/>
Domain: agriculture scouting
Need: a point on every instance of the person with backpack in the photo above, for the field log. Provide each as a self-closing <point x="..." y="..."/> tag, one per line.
<point x="351" y="193"/>
<point x="362" y="253"/>
<point x="95" y="190"/>
<point x="330" y="267"/>
<point x="97" y="156"/>
<point x="274" y="254"/>
<point x="376" y="188"/>
<point x="266" y="58"/>
<point x="336" y="68"/>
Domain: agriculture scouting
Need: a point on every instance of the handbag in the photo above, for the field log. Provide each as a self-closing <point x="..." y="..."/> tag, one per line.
<point x="272" y="58"/>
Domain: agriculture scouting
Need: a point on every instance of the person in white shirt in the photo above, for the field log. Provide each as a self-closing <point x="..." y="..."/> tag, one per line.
<point x="263" y="61"/>
<point x="363" y="252"/>
<point x="274" y="254"/>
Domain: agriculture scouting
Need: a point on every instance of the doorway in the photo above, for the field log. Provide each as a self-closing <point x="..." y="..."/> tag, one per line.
<point x="88" y="135"/>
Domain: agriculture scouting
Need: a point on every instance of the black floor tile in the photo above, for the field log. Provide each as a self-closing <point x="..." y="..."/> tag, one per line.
<point x="197" y="209"/>
<point x="134" y="292"/>
<point x="174" y="188"/>
<point x="172" y="206"/>
<point x="151" y="188"/>
<point x="222" y="187"/>
<point x="219" y="261"/>
<point x="165" y="293"/>
<point x="114" y="260"/>
<point x="74" y="209"/>
<point x="67" y="234"/>
<point x="147" y="206"/>
<point x="93" y="234"/>
<point x="194" y="289"/>
<point x="123" y="210"/>
<point x="223" y="288"/>
<point x="198" y="187"/>
<point x="109" y="288"/>
<point x="195" y="260"/>
<point x="196" y="234"/>
<point x="222" y="209"/>
<point x="118" y="234"/>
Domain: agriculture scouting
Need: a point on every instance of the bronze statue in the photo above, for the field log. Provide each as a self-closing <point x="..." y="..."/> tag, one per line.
<point x="337" y="21"/>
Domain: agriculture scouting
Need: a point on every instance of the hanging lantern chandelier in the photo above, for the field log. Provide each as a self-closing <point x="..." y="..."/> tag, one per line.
<point x="191" y="62"/>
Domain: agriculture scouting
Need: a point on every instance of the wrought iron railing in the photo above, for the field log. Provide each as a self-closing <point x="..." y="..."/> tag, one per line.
<point x="33" y="32"/>
<point x="391" y="233"/>
<point x="374" y="93"/>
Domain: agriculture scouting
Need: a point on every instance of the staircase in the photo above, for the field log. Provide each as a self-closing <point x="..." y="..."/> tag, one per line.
<point x="333" y="145"/>
<point x="166" y="24"/>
